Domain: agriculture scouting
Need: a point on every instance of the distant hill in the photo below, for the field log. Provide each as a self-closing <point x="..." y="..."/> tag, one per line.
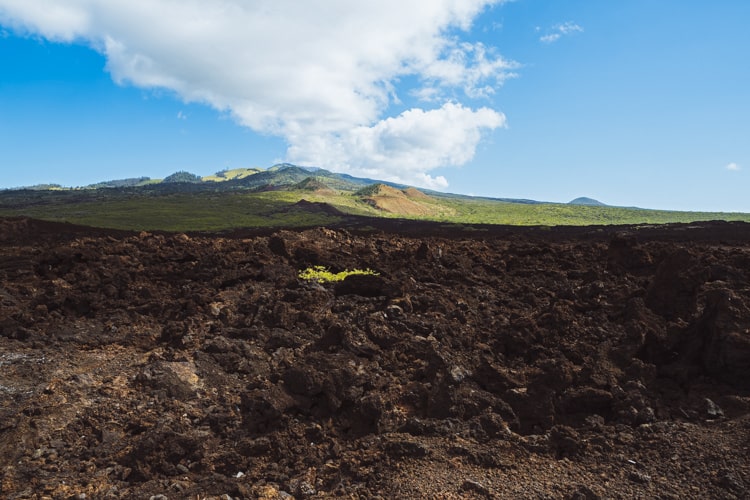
<point x="121" y="183"/>
<point x="284" y="181"/>
<point x="287" y="195"/>
<point x="587" y="201"/>
<point x="286" y="176"/>
<point x="228" y="175"/>
<point x="283" y="175"/>
<point x="365" y="195"/>
<point x="40" y="187"/>
<point x="182" y="176"/>
<point x="314" y="185"/>
<point x="410" y="201"/>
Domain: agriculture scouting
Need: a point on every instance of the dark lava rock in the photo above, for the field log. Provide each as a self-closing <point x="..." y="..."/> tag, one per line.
<point x="365" y="285"/>
<point x="278" y="246"/>
<point x="493" y="362"/>
<point x="673" y="292"/>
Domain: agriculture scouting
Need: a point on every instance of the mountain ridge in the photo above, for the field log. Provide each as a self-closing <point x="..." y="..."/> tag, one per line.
<point x="280" y="176"/>
<point x="291" y="197"/>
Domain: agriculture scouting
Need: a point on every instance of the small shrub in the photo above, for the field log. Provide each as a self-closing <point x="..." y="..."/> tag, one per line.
<point x="320" y="274"/>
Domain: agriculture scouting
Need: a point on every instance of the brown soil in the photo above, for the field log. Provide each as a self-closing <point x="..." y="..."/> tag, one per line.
<point x="410" y="202"/>
<point x="575" y="363"/>
<point x="416" y="194"/>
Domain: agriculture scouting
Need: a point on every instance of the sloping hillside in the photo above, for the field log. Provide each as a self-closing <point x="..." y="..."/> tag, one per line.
<point x="313" y="185"/>
<point x="259" y="198"/>
<point x="416" y="194"/>
<point x="409" y="202"/>
<point x="228" y="175"/>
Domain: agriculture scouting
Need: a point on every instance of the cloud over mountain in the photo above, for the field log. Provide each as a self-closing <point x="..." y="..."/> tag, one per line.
<point x="321" y="74"/>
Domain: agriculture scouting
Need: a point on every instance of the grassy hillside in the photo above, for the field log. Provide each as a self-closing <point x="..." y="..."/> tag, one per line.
<point x="483" y="211"/>
<point x="228" y="175"/>
<point x="408" y="202"/>
<point x="206" y="210"/>
<point x="249" y="197"/>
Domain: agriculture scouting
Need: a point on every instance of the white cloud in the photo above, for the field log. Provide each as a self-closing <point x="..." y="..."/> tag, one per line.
<point x="733" y="166"/>
<point x="568" y="28"/>
<point x="473" y="67"/>
<point x="405" y="147"/>
<point x="314" y="72"/>
<point x="559" y="30"/>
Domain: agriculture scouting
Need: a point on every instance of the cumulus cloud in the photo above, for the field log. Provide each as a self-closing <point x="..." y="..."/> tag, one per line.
<point x="560" y="30"/>
<point x="733" y="167"/>
<point x="322" y="74"/>
<point x="405" y="147"/>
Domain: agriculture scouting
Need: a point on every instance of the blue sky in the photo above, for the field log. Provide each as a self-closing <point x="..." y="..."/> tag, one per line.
<point x="633" y="102"/>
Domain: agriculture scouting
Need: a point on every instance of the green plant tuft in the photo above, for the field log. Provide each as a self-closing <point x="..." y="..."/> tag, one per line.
<point x="320" y="274"/>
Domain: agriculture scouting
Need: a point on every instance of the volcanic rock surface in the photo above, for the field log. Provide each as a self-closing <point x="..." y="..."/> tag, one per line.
<point x="575" y="363"/>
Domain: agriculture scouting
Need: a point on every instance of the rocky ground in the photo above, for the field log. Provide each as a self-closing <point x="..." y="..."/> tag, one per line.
<point x="575" y="363"/>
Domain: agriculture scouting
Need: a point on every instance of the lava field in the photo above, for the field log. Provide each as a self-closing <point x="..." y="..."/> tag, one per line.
<point x="506" y="362"/>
